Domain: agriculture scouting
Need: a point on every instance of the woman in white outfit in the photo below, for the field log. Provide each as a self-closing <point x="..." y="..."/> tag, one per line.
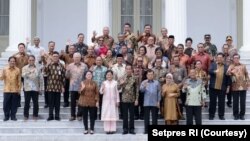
<point x="110" y="103"/>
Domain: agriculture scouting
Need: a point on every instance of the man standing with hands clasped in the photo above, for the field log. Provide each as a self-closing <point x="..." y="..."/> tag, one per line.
<point x="196" y="94"/>
<point x="55" y="72"/>
<point x="130" y="95"/>
<point x="152" y="96"/>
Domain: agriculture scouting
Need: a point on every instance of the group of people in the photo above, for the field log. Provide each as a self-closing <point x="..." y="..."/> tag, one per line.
<point x="127" y="79"/>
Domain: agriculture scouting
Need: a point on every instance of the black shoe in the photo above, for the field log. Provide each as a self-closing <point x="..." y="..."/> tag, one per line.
<point x="72" y="119"/>
<point x="242" y="118"/>
<point x="221" y="118"/>
<point x="57" y="118"/>
<point x="236" y="117"/>
<point x="14" y="119"/>
<point x="46" y="106"/>
<point x="79" y="118"/>
<point x="125" y="132"/>
<point x="66" y="105"/>
<point x="229" y="105"/>
<point x="136" y="117"/>
<point x="132" y="131"/>
<point x="5" y="119"/>
<point x="141" y="117"/>
<point x="211" y="118"/>
<point x="50" y="118"/>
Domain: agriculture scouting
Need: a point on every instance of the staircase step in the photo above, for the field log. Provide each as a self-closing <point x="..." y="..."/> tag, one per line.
<point x="228" y="115"/>
<point x="73" y="136"/>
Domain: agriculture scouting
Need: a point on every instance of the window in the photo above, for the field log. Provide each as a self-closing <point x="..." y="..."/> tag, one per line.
<point x="137" y="13"/>
<point x="4" y="17"/>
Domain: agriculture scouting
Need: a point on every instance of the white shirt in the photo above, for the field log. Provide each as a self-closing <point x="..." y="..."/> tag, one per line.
<point x="36" y="51"/>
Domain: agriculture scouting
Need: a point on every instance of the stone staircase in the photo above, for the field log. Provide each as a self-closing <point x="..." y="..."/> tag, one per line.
<point x="64" y="130"/>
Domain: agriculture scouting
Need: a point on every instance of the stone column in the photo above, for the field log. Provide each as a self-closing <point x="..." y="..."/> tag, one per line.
<point x="176" y="19"/>
<point x="19" y="23"/>
<point x="98" y="17"/>
<point x="246" y="27"/>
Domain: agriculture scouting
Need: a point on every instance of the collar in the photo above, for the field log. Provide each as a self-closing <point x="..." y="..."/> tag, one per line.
<point x="193" y="80"/>
<point x="237" y="64"/>
<point x="150" y="81"/>
<point x="220" y="64"/>
<point x="55" y="63"/>
<point x="201" y="53"/>
<point x="158" y="68"/>
<point x="51" y="53"/>
<point x="151" y="46"/>
<point x="164" y="37"/>
<point x="11" y="68"/>
<point x="181" y="54"/>
<point x="32" y="65"/>
<point x="91" y="56"/>
<point x="129" y="76"/>
<point x="77" y="64"/>
<point x="99" y="66"/>
<point x="119" y="65"/>
<point x="22" y="53"/>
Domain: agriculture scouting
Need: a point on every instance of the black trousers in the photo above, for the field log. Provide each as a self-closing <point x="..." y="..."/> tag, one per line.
<point x="193" y="111"/>
<point x="183" y="101"/>
<point x="213" y="94"/>
<point x="139" y="109"/>
<point x="54" y="103"/>
<point x="229" y="97"/>
<point x="88" y="111"/>
<point x="128" y="110"/>
<point x="154" y="112"/>
<point x="10" y="104"/>
<point x="46" y="97"/>
<point x="74" y="96"/>
<point x="28" y="95"/>
<point x="120" y="106"/>
<point x="100" y="106"/>
<point x="239" y="98"/>
<point x="66" y="92"/>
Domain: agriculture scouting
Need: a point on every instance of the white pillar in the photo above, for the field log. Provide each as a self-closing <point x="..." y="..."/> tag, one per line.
<point x="246" y="28"/>
<point x="98" y="17"/>
<point x="176" y="19"/>
<point x="19" y="24"/>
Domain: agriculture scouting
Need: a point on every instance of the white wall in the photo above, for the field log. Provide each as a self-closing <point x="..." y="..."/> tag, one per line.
<point x="58" y="20"/>
<point x="216" y="17"/>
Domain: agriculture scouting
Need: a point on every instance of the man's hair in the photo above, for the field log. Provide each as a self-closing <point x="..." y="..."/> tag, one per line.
<point x="80" y="34"/>
<point x="55" y="52"/>
<point x="220" y="53"/>
<point x="148" y="25"/>
<point x="21" y="44"/>
<point x="52" y="42"/>
<point x="12" y="57"/>
<point x="127" y="24"/>
<point x="150" y="71"/>
<point x="189" y="39"/>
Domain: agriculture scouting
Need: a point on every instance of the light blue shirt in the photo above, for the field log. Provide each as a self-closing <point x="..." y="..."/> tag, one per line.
<point x="99" y="74"/>
<point x="152" y="92"/>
